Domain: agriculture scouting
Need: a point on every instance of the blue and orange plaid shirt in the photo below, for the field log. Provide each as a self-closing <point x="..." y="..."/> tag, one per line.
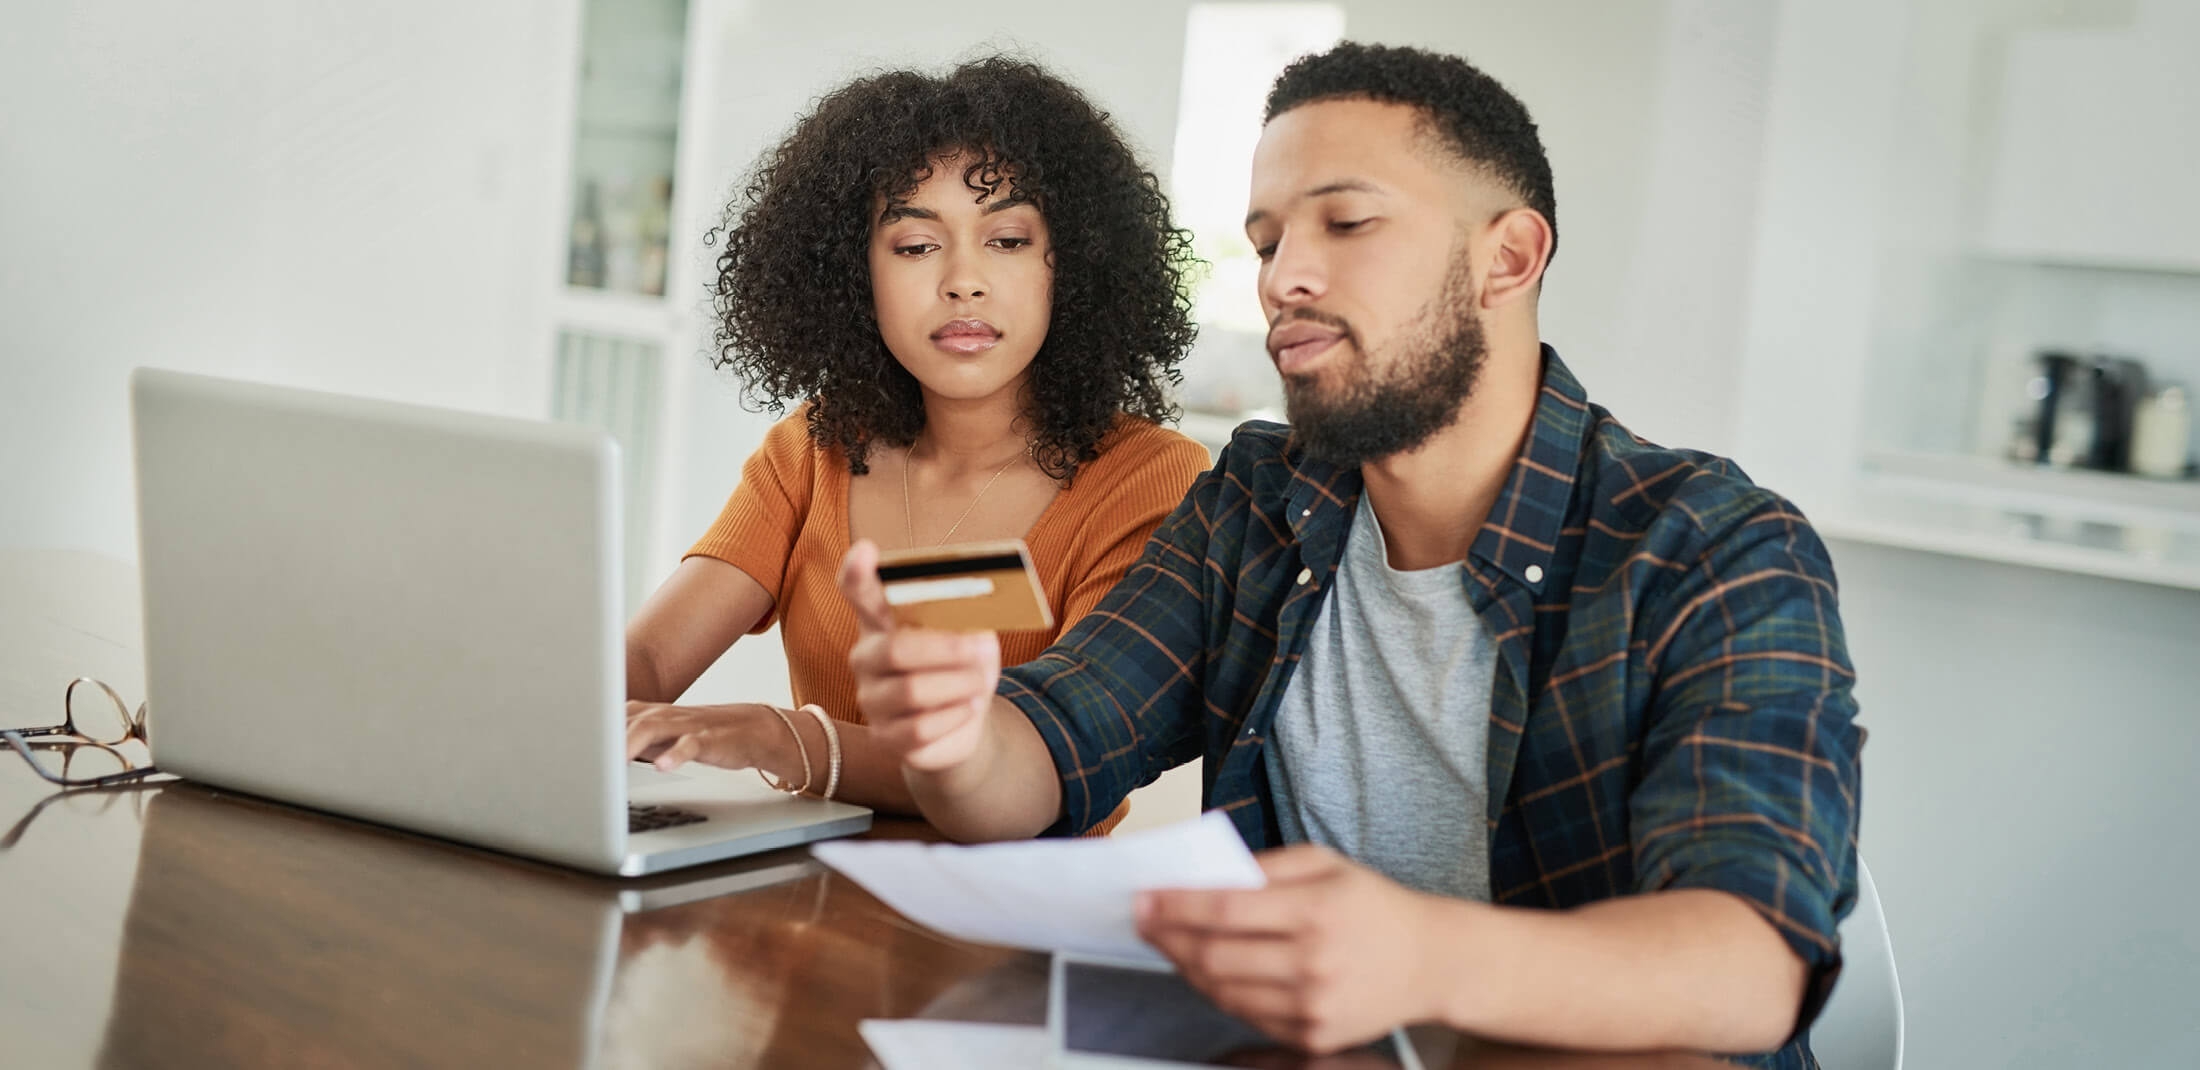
<point x="1672" y="705"/>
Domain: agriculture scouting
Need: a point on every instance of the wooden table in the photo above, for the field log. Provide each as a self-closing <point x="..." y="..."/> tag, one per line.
<point x="177" y="926"/>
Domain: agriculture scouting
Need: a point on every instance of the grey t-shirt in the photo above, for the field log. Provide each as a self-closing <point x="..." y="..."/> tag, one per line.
<point x="1380" y="748"/>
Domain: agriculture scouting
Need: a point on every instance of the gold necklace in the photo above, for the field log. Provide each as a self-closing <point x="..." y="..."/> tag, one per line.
<point x="908" y="515"/>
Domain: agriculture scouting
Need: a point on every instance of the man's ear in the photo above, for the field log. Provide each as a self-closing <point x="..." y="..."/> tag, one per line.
<point x="1519" y="244"/>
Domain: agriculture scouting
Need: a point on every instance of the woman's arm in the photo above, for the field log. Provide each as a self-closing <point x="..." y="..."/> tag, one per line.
<point x="700" y="611"/>
<point x="694" y="617"/>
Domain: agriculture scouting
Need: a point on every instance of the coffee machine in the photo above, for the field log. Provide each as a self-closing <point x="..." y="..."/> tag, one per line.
<point x="2083" y="413"/>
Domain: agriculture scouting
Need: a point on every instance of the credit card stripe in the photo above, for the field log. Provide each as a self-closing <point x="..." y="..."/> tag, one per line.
<point x="962" y="566"/>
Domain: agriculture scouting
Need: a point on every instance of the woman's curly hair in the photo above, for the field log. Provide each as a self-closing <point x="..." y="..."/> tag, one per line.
<point x="795" y="319"/>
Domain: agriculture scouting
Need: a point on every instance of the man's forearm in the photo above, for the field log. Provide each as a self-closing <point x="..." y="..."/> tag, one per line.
<point x="1007" y="790"/>
<point x="1690" y="968"/>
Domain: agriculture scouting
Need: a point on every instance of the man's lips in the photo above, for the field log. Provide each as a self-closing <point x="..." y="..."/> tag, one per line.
<point x="1300" y="342"/>
<point x="966" y="336"/>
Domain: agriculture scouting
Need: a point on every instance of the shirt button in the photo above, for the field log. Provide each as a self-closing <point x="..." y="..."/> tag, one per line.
<point x="1305" y="574"/>
<point x="1306" y="512"/>
<point x="1534" y="573"/>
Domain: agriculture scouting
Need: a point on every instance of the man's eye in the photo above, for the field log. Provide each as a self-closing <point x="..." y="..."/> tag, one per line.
<point x="1345" y="225"/>
<point x="1265" y="252"/>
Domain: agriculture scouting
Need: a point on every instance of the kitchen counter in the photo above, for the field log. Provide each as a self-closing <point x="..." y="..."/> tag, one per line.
<point x="2118" y="527"/>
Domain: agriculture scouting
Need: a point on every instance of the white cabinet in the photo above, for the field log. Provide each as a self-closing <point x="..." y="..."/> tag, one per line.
<point x="625" y="309"/>
<point x="2096" y="153"/>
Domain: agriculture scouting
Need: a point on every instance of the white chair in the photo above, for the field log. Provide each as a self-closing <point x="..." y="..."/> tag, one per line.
<point x="1861" y="1025"/>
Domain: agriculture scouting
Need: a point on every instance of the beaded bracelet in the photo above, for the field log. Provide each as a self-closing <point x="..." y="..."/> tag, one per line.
<point x="832" y="746"/>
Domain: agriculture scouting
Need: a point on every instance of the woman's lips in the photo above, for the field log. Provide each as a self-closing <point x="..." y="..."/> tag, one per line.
<point x="965" y="337"/>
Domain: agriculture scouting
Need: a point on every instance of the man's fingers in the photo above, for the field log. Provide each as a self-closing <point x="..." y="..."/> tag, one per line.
<point x="919" y="728"/>
<point x="1272" y="960"/>
<point x="1241" y="912"/>
<point x="1277" y="1008"/>
<point x="909" y="650"/>
<point x="860" y="586"/>
<point x="1300" y="862"/>
<point x="951" y="747"/>
<point x="898" y="695"/>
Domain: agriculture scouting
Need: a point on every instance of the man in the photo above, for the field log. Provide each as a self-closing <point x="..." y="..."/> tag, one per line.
<point x="1557" y="721"/>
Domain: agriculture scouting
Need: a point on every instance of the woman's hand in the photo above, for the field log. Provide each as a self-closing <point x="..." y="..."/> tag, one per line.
<point x="740" y="735"/>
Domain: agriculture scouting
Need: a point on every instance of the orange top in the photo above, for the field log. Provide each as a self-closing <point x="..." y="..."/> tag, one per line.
<point x="786" y="525"/>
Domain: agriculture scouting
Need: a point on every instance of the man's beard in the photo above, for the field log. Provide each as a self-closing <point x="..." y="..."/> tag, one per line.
<point x="1387" y="407"/>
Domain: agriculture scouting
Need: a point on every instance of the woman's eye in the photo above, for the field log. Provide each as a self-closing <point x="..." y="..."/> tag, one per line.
<point x="914" y="249"/>
<point x="1012" y="243"/>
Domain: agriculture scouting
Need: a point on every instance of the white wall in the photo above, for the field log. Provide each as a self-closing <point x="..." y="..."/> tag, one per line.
<point x="1652" y="116"/>
<point x="2027" y="780"/>
<point x="1810" y="300"/>
<point x="359" y="198"/>
<point x="2028" y="807"/>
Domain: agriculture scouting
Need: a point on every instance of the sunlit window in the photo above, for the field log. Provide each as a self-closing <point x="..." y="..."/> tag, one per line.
<point x="1232" y="53"/>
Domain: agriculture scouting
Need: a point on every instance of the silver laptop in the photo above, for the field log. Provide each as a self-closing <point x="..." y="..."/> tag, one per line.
<point x="412" y="616"/>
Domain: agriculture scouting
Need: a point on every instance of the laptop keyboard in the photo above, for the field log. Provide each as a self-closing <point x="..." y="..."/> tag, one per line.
<point x="640" y="818"/>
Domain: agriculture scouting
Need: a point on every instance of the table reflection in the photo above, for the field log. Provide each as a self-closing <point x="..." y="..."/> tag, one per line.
<point x="260" y="935"/>
<point x="255" y="934"/>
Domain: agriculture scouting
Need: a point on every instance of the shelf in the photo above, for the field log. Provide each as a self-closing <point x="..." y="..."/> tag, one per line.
<point x="2107" y="265"/>
<point x="2103" y="496"/>
<point x="2092" y="523"/>
<point x="2163" y="557"/>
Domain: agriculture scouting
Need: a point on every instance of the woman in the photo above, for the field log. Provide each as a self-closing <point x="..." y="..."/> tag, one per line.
<point x="973" y="289"/>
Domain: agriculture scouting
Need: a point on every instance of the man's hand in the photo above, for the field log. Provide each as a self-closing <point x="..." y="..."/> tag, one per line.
<point x="924" y="693"/>
<point x="1328" y="955"/>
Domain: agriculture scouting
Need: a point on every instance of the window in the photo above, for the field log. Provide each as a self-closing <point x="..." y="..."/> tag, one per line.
<point x="1232" y="54"/>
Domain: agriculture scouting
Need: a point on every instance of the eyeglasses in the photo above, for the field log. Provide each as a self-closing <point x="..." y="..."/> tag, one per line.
<point x="84" y="750"/>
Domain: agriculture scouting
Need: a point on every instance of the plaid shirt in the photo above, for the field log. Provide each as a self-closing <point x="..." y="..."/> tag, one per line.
<point x="1672" y="705"/>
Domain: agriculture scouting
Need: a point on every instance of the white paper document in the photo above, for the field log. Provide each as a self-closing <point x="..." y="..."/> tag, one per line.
<point x="1048" y="895"/>
<point x="923" y="1044"/>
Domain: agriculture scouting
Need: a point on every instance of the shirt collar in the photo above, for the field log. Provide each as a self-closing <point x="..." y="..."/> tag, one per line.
<point x="1520" y="538"/>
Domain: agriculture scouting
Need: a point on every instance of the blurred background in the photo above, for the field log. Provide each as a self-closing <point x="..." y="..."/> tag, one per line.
<point x="1930" y="268"/>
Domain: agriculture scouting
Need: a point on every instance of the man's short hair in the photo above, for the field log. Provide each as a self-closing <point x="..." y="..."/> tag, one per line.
<point x="1469" y="113"/>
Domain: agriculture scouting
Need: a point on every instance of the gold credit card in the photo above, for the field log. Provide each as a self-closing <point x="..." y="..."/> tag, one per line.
<point x="970" y="587"/>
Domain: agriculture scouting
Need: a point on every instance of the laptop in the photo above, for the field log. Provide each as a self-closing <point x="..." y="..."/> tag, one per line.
<point x="412" y="616"/>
